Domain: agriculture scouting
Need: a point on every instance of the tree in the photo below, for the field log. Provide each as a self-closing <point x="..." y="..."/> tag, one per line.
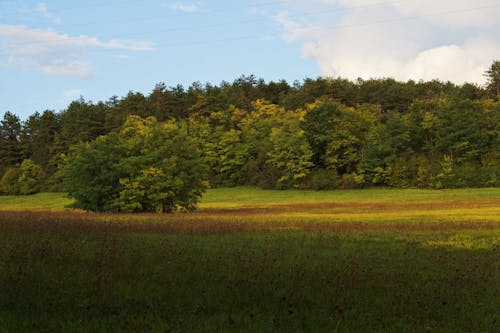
<point x="336" y="134"/>
<point x="30" y="178"/>
<point x="9" y="182"/>
<point x="10" y="146"/>
<point x="90" y="174"/>
<point x="493" y="79"/>
<point x="256" y="127"/>
<point x="379" y="155"/>
<point x="38" y="139"/>
<point x="143" y="166"/>
<point x="81" y="122"/>
<point x="290" y="152"/>
<point x="132" y="104"/>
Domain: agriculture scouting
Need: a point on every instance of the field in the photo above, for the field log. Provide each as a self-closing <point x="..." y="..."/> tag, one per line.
<point x="256" y="261"/>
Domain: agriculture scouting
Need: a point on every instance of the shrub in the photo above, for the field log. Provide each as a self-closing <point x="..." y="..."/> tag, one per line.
<point x="146" y="166"/>
<point x="9" y="183"/>
<point x="324" y="179"/>
<point x="30" y="178"/>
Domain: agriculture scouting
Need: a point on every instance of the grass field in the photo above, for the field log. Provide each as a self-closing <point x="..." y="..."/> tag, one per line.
<point x="256" y="261"/>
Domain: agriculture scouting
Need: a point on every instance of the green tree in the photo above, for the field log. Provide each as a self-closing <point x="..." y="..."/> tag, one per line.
<point x="30" y="178"/>
<point x="493" y="79"/>
<point x="90" y="174"/>
<point x="290" y="152"/>
<point x="337" y="134"/>
<point x="144" y="166"/>
<point x="38" y="139"/>
<point x="10" y="145"/>
<point x="379" y="155"/>
<point x="256" y="127"/>
<point x="81" y="122"/>
<point x="9" y="183"/>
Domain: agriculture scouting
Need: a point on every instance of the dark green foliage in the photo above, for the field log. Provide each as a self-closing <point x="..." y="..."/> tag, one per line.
<point x="24" y="179"/>
<point x="132" y="104"/>
<point x="144" y="166"/>
<point x="81" y="122"/>
<point x="9" y="183"/>
<point x="337" y="134"/>
<point x="323" y="179"/>
<point x="30" y="178"/>
<point x="90" y="176"/>
<point x="318" y="124"/>
<point x="493" y="76"/>
<point x="10" y="145"/>
<point x="38" y="139"/>
<point x="375" y="132"/>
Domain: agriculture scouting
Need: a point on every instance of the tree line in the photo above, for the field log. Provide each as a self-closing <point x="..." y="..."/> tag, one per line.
<point x="322" y="133"/>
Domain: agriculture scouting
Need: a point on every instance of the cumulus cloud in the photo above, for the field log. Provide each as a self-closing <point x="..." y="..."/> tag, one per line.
<point x="184" y="7"/>
<point x="52" y="53"/>
<point x="407" y="39"/>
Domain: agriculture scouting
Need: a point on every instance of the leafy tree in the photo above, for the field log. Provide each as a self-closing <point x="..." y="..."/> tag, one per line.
<point x="144" y="166"/>
<point x="30" y="178"/>
<point x="9" y="183"/>
<point x="379" y="155"/>
<point x="90" y="173"/>
<point x="256" y="127"/>
<point x="336" y="134"/>
<point x="228" y="158"/>
<point x="290" y="152"/>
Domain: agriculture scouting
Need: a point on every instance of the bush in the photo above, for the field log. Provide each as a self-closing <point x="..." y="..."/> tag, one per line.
<point x="9" y="183"/>
<point x="146" y="166"/>
<point x="30" y="178"/>
<point x="353" y="180"/>
<point x="323" y="179"/>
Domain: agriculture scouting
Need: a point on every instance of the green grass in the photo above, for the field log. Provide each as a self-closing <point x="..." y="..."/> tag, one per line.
<point x="256" y="261"/>
<point x="251" y="197"/>
<point x="39" y="201"/>
<point x="244" y="196"/>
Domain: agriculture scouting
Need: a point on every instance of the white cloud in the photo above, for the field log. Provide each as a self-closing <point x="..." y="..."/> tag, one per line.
<point x="52" y="53"/>
<point x="184" y="7"/>
<point x="452" y="40"/>
<point x="42" y="9"/>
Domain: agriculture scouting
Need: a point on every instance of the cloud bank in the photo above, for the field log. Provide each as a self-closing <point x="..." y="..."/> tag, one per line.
<point x="46" y="51"/>
<point x="455" y="40"/>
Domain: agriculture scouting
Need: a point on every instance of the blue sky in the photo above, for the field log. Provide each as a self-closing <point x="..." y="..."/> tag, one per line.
<point x="51" y="52"/>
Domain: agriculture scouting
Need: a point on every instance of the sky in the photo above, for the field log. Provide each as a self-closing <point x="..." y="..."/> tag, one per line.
<point x="54" y="52"/>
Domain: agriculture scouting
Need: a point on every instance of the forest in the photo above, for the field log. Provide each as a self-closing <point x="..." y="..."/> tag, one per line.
<point x="323" y="133"/>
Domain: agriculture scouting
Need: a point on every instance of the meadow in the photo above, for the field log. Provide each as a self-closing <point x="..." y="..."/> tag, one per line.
<point x="249" y="260"/>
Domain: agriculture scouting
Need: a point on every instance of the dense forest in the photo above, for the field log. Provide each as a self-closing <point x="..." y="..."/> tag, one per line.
<point x="322" y="133"/>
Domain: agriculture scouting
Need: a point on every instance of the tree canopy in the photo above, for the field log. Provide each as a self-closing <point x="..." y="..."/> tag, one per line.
<point x="139" y="152"/>
<point x="143" y="166"/>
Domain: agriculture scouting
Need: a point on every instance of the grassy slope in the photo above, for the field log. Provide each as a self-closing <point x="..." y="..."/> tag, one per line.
<point x="226" y="268"/>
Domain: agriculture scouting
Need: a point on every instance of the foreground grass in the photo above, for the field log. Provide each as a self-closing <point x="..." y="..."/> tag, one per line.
<point x="336" y="262"/>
